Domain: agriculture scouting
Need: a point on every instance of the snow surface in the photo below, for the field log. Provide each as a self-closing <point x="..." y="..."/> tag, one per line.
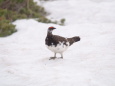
<point x="90" y="62"/>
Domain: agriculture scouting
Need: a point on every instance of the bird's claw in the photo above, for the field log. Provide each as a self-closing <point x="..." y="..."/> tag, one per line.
<point x="52" y="58"/>
<point x="60" y="57"/>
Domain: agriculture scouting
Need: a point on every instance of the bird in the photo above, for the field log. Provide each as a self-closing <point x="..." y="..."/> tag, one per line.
<point x="58" y="44"/>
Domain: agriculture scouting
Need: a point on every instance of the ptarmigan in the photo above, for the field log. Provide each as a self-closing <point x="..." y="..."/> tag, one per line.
<point x="58" y="44"/>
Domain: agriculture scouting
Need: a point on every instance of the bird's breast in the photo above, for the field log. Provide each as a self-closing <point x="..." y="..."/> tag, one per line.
<point x="59" y="48"/>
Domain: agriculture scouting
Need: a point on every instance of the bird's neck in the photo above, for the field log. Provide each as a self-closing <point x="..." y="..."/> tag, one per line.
<point x="49" y="32"/>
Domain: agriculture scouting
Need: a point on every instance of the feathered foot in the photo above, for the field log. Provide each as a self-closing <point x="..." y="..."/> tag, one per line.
<point x="52" y="58"/>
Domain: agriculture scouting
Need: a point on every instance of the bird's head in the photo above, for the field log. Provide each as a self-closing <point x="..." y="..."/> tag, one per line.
<point x="50" y="29"/>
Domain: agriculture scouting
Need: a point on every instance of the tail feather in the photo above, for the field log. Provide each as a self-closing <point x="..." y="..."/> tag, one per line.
<point x="73" y="39"/>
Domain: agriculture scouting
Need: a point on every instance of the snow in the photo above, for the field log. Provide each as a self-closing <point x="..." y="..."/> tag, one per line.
<point x="24" y="57"/>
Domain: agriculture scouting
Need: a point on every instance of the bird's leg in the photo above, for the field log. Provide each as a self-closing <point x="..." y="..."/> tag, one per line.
<point x="53" y="57"/>
<point x="61" y="55"/>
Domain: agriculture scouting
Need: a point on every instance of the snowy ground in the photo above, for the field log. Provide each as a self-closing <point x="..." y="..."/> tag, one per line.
<point x="90" y="62"/>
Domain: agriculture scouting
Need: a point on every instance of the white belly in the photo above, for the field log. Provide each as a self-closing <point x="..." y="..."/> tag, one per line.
<point x="60" y="48"/>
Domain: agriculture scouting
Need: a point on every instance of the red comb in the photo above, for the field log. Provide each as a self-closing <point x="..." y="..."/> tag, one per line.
<point x="51" y="27"/>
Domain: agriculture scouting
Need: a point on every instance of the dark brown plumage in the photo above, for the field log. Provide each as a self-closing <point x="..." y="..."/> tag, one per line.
<point x="73" y="39"/>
